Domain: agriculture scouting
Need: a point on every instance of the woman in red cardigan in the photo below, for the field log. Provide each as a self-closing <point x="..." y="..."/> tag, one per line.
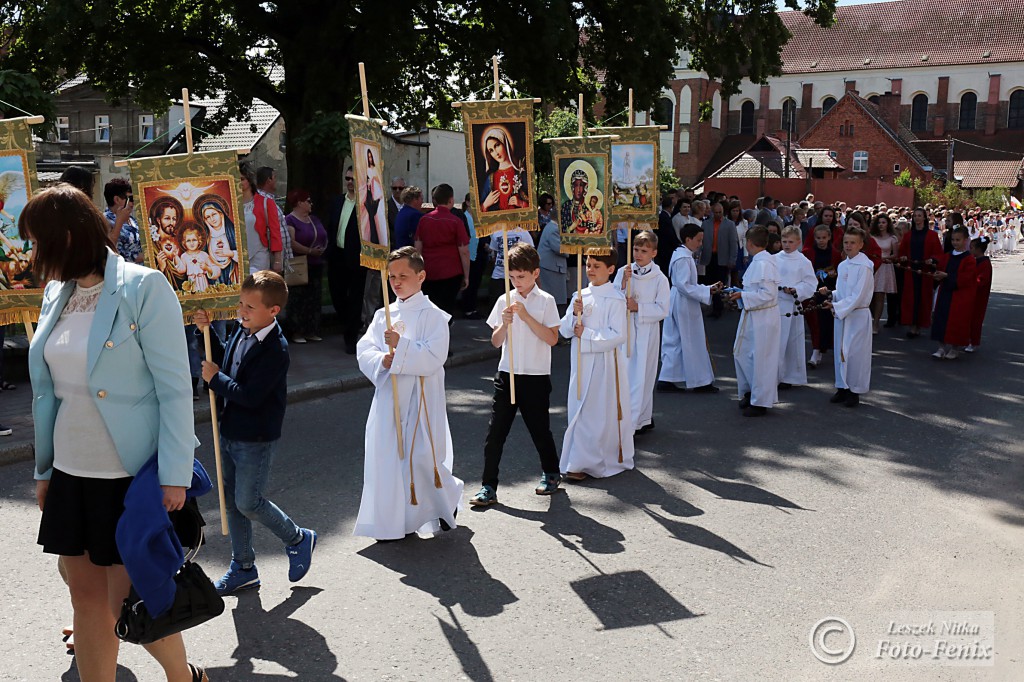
<point x="919" y="245"/>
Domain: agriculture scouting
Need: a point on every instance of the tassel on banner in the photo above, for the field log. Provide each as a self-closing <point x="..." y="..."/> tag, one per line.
<point x="17" y="316"/>
<point x="373" y="262"/>
<point x="575" y="249"/>
<point x="488" y="230"/>
<point x="216" y="315"/>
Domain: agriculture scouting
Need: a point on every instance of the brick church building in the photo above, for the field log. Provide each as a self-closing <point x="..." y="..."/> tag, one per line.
<point x="891" y="86"/>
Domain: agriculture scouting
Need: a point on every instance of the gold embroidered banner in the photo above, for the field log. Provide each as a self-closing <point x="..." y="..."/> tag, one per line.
<point x="20" y="293"/>
<point x="582" y="184"/>
<point x="194" y="228"/>
<point x="499" y="152"/>
<point x="372" y="211"/>
<point x="634" y="182"/>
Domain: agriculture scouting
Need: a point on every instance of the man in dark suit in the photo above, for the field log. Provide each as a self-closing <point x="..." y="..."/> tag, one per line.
<point x="718" y="253"/>
<point x="394" y="204"/>
<point x="346" y="279"/>
<point x="668" y="240"/>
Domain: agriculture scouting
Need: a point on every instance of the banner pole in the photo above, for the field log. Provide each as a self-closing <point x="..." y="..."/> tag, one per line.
<point x="216" y="440"/>
<point x="629" y="251"/>
<point x="27" y="320"/>
<point x="497" y="86"/>
<point x="508" y="302"/>
<point x="384" y="289"/>
<point x="188" y="120"/>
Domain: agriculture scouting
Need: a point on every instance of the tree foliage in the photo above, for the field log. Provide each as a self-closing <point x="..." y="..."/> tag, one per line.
<point x="301" y="56"/>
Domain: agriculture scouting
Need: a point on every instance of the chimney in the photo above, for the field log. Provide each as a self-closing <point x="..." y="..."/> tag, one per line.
<point x="889" y="109"/>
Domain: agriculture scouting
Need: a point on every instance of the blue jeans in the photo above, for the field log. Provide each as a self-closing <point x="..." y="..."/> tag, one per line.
<point x="196" y="351"/>
<point x="246" y="470"/>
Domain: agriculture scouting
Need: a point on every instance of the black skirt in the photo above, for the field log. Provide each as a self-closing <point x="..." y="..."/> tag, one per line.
<point x="80" y="515"/>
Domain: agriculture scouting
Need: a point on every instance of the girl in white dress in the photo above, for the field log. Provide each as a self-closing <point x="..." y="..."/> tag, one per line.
<point x="885" y="277"/>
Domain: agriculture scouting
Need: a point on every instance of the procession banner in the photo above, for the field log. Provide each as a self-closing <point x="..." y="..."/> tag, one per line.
<point x="20" y="294"/>
<point x="194" y="232"/>
<point x="582" y="185"/>
<point x="368" y="162"/>
<point x="634" y="183"/>
<point x="499" y="152"/>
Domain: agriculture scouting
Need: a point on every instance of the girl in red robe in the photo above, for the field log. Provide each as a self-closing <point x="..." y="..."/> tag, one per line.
<point x="957" y="276"/>
<point x="981" y="293"/>
<point x="825" y="258"/>
<point x="919" y="244"/>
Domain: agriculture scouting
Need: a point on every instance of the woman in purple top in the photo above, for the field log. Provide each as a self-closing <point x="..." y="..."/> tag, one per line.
<point x="309" y="238"/>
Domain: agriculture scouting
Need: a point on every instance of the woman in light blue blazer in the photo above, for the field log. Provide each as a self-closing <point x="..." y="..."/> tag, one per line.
<point x="110" y="383"/>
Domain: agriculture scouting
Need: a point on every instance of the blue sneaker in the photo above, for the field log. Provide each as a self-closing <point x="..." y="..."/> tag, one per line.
<point x="300" y="555"/>
<point x="237" y="578"/>
<point x="485" y="498"/>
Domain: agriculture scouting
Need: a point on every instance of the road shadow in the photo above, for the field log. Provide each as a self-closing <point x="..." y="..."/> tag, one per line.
<point x="741" y="492"/>
<point x="702" y="537"/>
<point x="427" y="566"/>
<point x="640" y="490"/>
<point x="562" y="522"/>
<point x="273" y="635"/>
<point x="123" y="674"/>
<point x="629" y="599"/>
<point x="465" y="649"/>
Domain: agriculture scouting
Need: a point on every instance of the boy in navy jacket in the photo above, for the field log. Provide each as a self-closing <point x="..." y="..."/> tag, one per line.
<point x="252" y="391"/>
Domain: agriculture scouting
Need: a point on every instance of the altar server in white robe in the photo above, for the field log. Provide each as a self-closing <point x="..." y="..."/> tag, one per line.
<point x="647" y="302"/>
<point x="684" y="348"/>
<point x="798" y="284"/>
<point x="850" y="306"/>
<point x="412" y="491"/>
<point x="599" y="439"/>
<point x="756" y="349"/>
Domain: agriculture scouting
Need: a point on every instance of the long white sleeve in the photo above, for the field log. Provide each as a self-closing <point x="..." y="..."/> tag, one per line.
<point x="604" y="339"/>
<point x="371" y="349"/>
<point x="426" y="355"/>
<point x="658" y="309"/>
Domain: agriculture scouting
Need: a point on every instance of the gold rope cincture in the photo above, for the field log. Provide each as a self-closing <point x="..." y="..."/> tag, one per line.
<point x="618" y="401"/>
<point x="412" y="449"/>
<point x="430" y="433"/>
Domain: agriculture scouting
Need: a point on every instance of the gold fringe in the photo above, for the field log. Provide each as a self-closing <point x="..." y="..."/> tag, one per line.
<point x="373" y="262"/>
<point x="586" y="250"/>
<point x="17" y="315"/>
<point x="214" y="315"/>
<point x="488" y="230"/>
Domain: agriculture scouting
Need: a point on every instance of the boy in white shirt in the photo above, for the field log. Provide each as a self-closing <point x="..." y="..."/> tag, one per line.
<point x="684" y="349"/>
<point x="533" y="320"/>
<point x="798" y="284"/>
<point x="496" y="245"/>
<point x="647" y="301"/>
<point x="412" y="490"/>
<point x="756" y="350"/>
<point x="599" y="439"/>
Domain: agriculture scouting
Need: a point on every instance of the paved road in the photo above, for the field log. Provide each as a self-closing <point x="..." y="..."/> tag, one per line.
<point x="711" y="561"/>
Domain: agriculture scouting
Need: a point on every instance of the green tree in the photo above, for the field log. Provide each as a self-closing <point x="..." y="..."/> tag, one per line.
<point x="22" y="92"/>
<point x="668" y="181"/>
<point x="993" y="199"/>
<point x="903" y="179"/>
<point x="301" y="56"/>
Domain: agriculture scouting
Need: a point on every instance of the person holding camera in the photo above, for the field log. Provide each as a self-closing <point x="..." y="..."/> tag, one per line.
<point x="124" y="231"/>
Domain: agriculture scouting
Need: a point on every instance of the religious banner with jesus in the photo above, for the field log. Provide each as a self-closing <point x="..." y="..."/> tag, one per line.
<point x="634" y="180"/>
<point x="20" y="293"/>
<point x="581" y="183"/>
<point x="372" y="209"/>
<point x="499" y="152"/>
<point x="194" y="229"/>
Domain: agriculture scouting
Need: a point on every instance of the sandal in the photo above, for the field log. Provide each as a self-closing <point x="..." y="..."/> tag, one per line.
<point x="576" y="476"/>
<point x="198" y="674"/>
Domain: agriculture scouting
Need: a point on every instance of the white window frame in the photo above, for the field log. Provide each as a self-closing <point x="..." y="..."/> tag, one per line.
<point x="146" y="123"/>
<point x="684" y="141"/>
<point x="102" y="129"/>
<point x="64" y="129"/>
<point x="860" y="162"/>
<point x="896" y="169"/>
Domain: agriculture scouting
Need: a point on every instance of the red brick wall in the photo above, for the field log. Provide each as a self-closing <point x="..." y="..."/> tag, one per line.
<point x="883" y="151"/>
<point x="862" y="191"/>
<point x="704" y="140"/>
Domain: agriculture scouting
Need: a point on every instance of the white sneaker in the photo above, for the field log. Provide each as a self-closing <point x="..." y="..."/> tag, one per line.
<point x="952" y="354"/>
<point x="815" y="358"/>
<point x="969" y="348"/>
<point x="5" y="430"/>
<point x="298" y="339"/>
<point x="939" y="354"/>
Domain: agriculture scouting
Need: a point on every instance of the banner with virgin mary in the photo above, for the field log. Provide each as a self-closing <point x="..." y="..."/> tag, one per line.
<point x="20" y="293"/>
<point x="634" y="183"/>
<point x="368" y="171"/>
<point x="581" y="184"/>
<point x="194" y="227"/>
<point x="499" y="152"/>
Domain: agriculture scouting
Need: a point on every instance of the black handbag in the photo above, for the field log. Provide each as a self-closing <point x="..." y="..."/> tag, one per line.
<point x="195" y="602"/>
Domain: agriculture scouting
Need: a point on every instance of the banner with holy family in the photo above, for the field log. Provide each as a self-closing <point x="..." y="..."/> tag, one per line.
<point x="21" y="295"/>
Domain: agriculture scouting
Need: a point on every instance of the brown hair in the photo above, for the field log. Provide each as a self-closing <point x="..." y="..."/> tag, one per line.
<point x="876" y="230"/>
<point x="523" y="258"/>
<point x="758" y="236"/>
<point x="410" y="254"/>
<point x="68" y="231"/>
<point x="610" y="259"/>
<point x="272" y="288"/>
<point x="857" y="232"/>
<point x="646" y="238"/>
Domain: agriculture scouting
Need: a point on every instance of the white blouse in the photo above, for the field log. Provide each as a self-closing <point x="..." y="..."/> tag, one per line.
<point x="82" y="445"/>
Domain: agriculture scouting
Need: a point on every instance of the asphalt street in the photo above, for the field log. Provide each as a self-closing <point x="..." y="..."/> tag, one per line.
<point x="712" y="560"/>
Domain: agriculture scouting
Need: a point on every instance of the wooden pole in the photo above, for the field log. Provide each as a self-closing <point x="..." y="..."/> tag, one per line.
<point x="579" y="111"/>
<point x="497" y="86"/>
<point x="630" y="119"/>
<point x="629" y="255"/>
<point x="27" y="320"/>
<point x="508" y="332"/>
<point x="188" y="122"/>
<point x="387" y="295"/>
<point x="579" y="282"/>
<point x="216" y="439"/>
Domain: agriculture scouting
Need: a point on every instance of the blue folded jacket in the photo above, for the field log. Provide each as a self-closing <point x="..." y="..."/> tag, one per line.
<point x="149" y="547"/>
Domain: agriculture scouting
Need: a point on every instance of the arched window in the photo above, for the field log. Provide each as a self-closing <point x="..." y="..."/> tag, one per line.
<point x="874" y="99"/>
<point x="662" y="114"/>
<point x="1016" y="117"/>
<point x="788" y="114"/>
<point x="716" y="110"/>
<point x="747" y="118"/>
<point x="827" y="104"/>
<point x="968" y="111"/>
<point x="919" y="112"/>
<point x="684" y="141"/>
<point x="685" y="104"/>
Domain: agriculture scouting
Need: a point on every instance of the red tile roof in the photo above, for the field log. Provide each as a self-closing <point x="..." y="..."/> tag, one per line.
<point x="901" y="33"/>
<point x="985" y="174"/>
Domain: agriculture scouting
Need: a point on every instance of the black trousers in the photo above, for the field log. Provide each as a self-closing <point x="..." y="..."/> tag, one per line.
<point x="533" y="398"/>
<point x="470" y="297"/>
<point x="443" y="292"/>
<point x="346" y="280"/>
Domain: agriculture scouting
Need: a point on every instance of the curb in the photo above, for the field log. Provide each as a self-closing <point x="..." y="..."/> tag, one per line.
<point x="308" y="390"/>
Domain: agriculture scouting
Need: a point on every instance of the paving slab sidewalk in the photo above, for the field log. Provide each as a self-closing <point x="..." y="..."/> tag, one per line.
<point x="317" y="370"/>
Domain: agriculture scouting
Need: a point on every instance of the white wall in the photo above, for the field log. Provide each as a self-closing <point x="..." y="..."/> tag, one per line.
<point x="426" y="167"/>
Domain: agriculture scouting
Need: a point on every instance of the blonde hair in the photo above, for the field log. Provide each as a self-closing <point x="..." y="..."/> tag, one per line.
<point x="792" y="230"/>
<point x="646" y="238"/>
